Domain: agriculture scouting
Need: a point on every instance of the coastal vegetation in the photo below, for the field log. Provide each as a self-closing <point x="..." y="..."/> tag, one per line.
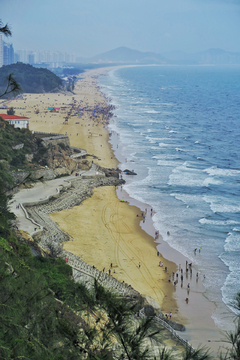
<point x="15" y="144"/>
<point x="31" y="79"/>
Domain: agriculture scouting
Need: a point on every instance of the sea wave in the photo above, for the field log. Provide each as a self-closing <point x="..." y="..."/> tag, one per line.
<point x="222" y="172"/>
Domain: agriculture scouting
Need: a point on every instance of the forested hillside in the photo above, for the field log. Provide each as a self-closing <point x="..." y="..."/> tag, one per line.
<point x="31" y="79"/>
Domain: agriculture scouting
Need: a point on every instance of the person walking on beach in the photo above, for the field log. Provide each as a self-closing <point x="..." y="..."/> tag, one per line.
<point x="170" y="315"/>
<point x="139" y="265"/>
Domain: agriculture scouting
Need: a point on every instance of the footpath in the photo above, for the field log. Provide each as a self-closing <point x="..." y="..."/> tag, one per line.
<point x="41" y="192"/>
<point x="32" y="206"/>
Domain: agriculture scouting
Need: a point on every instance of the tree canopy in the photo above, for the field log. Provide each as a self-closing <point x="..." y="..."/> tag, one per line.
<point x="32" y="80"/>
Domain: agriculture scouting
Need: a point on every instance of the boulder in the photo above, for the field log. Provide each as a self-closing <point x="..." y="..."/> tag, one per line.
<point x="129" y="172"/>
<point x="149" y="310"/>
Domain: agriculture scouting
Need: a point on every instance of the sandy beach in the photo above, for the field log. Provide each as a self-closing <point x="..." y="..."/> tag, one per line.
<point x="109" y="227"/>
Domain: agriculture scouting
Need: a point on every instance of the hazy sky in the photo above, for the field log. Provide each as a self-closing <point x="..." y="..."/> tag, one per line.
<point x="90" y="27"/>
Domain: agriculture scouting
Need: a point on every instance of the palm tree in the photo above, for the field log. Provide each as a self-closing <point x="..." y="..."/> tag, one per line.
<point x="12" y="85"/>
<point x="5" y="29"/>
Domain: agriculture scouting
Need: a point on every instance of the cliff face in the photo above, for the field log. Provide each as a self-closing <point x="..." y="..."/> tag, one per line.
<point x="58" y="158"/>
<point x="56" y="161"/>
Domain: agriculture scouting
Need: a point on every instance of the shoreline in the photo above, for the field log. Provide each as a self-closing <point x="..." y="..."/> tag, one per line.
<point x="206" y="332"/>
<point x="190" y="314"/>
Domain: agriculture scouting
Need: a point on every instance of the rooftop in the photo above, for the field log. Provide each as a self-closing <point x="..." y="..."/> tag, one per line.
<point x="13" y="117"/>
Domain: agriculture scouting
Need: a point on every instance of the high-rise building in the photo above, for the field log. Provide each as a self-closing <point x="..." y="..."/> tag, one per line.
<point x="1" y="51"/>
<point x="31" y="59"/>
<point x="8" y="54"/>
<point x="41" y="56"/>
<point x="11" y="54"/>
<point x="16" y="57"/>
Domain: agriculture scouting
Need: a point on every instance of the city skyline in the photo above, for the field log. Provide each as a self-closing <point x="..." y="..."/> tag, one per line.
<point x="8" y="56"/>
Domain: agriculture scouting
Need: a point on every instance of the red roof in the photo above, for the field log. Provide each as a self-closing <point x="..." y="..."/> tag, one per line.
<point x="13" y="117"/>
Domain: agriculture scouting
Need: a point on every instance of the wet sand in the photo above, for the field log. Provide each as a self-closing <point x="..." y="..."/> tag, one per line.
<point x="105" y="229"/>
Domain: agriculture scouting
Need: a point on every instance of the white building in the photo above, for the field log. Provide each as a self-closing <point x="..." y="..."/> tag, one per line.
<point x="21" y="122"/>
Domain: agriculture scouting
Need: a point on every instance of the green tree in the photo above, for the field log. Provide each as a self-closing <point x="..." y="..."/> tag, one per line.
<point x="233" y="338"/>
<point x="12" y="85"/>
<point x="11" y="111"/>
<point x="5" y="29"/>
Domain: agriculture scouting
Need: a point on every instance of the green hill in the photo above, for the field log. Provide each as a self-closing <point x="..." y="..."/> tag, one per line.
<point x="31" y="79"/>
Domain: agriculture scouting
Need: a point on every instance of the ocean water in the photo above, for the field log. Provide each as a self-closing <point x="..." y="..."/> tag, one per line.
<point x="179" y="129"/>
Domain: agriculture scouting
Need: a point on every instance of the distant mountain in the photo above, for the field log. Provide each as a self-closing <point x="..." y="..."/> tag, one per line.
<point x="124" y="55"/>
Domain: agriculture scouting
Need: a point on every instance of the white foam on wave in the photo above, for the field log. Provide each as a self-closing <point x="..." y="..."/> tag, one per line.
<point x="164" y="145"/>
<point x="167" y="163"/>
<point x="185" y="176"/>
<point x="211" y="181"/>
<point x="173" y="132"/>
<point x="154" y="147"/>
<point x="219" y="204"/>
<point x="221" y="172"/>
<point x="186" y="198"/>
<point x="165" y="157"/>
<point x="152" y="140"/>
<point x="152" y="112"/>
<point x="229" y="291"/>
<point x="218" y="222"/>
<point x="232" y="242"/>
<point x="155" y="121"/>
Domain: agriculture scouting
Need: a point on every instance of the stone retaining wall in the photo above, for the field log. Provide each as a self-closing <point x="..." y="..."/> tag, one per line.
<point x="79" y="190"/>
<point x="74" y="193"/>
<point x="21" y="176"/>
<point x="84" y="273"/>
<point x="52" y="138"/>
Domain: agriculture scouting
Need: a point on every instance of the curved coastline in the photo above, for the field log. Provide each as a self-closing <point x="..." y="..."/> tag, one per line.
<point x="196" y="324"/>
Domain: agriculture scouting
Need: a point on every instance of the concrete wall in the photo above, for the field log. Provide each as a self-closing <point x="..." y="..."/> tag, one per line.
<point x="52" y="138"/>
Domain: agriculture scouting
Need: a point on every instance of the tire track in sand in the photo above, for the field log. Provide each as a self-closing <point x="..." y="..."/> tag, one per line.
<point x="117" y="227"/>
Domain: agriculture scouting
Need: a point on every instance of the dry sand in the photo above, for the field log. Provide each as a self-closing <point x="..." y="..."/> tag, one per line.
<point x="107" y="230"/>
